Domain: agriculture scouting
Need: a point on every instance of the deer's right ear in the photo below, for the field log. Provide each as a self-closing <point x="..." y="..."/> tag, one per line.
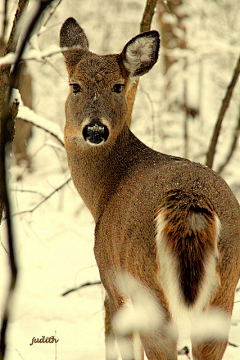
<point x="72" y="35"/>
<point x="141" y="53"/>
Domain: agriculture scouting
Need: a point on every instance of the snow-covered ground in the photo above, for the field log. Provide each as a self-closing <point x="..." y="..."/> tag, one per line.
<point x="55" y="241"/>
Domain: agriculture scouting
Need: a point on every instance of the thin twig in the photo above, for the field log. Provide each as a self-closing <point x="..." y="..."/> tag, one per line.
<point x="52" y="12"/>
<point x="10" y="59"/>
<point x="233" y="146"/>
<point x="81" y="286"/>
<point x="28" y="191"/>
<point x="165" y="4"/>
<point x="224" y="107"/>
<point x="232" y="344"/>
<point x="43" y="201"/>
<point x="19" y="354"/>
<point x="7" y="252"/>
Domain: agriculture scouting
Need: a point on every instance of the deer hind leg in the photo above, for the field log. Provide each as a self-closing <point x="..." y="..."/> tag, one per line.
<point x="213" y="349"/>
<point x="160" y="345"/>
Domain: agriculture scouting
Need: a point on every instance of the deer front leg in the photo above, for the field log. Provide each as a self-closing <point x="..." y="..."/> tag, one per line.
<point x="129" y="345"/>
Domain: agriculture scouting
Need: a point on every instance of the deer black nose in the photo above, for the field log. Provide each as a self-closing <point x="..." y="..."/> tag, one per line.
<point x="95" y="132"/>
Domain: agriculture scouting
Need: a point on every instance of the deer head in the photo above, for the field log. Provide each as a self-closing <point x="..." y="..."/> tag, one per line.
<point x="96" y="108"/>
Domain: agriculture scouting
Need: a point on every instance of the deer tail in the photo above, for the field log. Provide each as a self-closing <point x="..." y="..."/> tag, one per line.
<point x="187" y="249"/>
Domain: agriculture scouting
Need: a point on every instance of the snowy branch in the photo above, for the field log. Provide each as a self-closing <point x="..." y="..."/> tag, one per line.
<point x="31" y="54"/>
<point x="35" y="54"/>
<point x="29" y="115"/>
<point x="50" y="127"/>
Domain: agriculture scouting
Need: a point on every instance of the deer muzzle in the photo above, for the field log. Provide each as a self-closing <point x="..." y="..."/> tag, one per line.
<point x="95" y="132"/>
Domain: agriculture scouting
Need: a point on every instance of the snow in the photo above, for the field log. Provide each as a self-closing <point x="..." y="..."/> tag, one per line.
<point x="55" y="242"/>
<point x="25" y="113"/>
<point x="54" y="253"/>
<point x="32" y="54"/>
<point x="141" y="312"/>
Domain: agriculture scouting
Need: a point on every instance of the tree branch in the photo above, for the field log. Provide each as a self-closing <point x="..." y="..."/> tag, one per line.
<point x="148" y="15"/>
<point x="28" y="115"/>
<point x="11" y="44"/>
<point x="233" y="146"/>
<point x="144" y="26"/>
<point x="43" y="201"/>
<point x="44" y="129"/>
<point x="6" y="120"/>
<point x="52" y="12"/>
<point x="81" y="286"/>
<point x="225" y="103"/>
<point x="5" y="22"/>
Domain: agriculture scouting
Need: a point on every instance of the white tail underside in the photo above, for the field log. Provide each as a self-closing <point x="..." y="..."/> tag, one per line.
<point x="184" y="317"/>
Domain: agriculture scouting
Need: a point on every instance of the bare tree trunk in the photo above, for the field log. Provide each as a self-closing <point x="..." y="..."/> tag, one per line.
<point x="170" y="39"/>
<point x="7" y="130"/>
<point x="222" y="112"/>
<point x="185" y="106"/>
<point x="170" y="31"/>
<point x="144" y="26"/>
<point x="23" y="129"/>
<point x="233" y="145"/>
<point x="7" y="116"/>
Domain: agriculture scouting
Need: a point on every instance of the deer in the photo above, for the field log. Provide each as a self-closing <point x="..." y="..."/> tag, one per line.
<point x="166" y="228"/>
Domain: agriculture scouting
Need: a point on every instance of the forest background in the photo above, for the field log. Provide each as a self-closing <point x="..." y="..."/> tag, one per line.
<point x="175" y="111"/>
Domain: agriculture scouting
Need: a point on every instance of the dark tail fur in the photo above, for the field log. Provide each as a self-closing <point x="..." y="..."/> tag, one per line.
<point x="188" y="233"/>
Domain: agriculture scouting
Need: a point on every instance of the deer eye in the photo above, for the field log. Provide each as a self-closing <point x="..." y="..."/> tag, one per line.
<point x="76" y="88"/>
<point x="117" y="88"/>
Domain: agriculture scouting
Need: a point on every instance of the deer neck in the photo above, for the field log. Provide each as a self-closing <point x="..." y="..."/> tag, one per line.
<point x="98" y="170"/>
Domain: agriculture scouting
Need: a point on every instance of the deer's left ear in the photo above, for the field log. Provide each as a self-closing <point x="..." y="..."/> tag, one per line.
<point x="141" y="53"/>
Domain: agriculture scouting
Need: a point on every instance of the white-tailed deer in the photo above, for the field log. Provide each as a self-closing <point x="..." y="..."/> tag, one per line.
<point x="171" y="224"/>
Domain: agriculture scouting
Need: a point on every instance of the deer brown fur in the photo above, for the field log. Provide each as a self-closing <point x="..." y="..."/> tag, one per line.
<point x="171" y="224"/>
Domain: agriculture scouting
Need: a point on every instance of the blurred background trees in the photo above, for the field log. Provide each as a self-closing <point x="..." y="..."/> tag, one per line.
<point x="199" y="49"/>
<point x="175" y="110"/>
